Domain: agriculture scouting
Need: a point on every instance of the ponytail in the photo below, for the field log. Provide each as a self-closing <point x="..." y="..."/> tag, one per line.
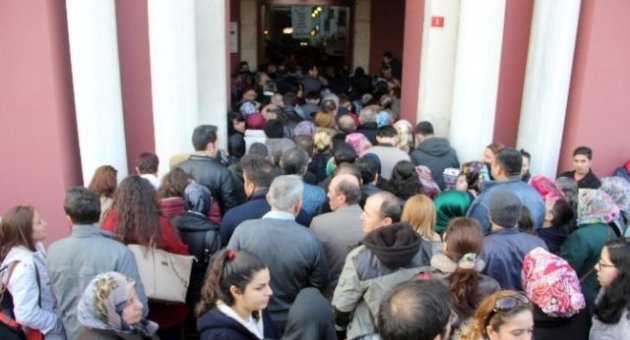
<point x="228" y="268"/>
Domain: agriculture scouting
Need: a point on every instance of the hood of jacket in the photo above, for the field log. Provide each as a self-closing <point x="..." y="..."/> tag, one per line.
<point x="435" y="146"/>
<point x="394" y="245"/>
<point x="193" y="222"/>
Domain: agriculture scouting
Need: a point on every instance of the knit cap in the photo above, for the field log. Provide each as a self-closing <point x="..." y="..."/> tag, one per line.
<point x="505" y="209"/>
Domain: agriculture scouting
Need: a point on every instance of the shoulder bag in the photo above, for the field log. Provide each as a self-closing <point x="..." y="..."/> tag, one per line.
<point x="165" y="276"/>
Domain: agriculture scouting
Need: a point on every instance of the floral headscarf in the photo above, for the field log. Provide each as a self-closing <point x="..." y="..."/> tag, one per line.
<point x="596" y="206"/>
<point x="103" y="302"/>
<point x="619" y="190"/>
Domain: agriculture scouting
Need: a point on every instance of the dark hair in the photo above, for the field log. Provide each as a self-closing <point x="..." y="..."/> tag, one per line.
<point x="525" y="154"/>
<point x="273" y="129"/>
<point x="261" y="172"/>
<point x="424" y="128"/>
<point x="104" y="181"/>
<point x="197" y="198"/>
<point x="305" y="142"/>
<point x="202" y="135"/>
<point x="583" y="150"/>
<point x="414" y="310"/>
<point x="16" y="229"/>
<point x="228" y="268"/>
<point x="616" y="297"/>
<point x="294" y="161"/>
<point x="404" y="181"/>
<point x="510" y="160"/>
<point x="137" y="212"/>
<point x="312" y="95"/>
<point x="258" y="149"/>
<point x="386" y="131"/>
<point x="147" y="163"/>
<point x="387" y="54"/>
<point x="233" y="116"/>
<point x="350" y="191"/>
<point x="562" y="214"/>
<point x="344" y="153"/>
<point x="390" y="207"/>
<point x="526" y="222"/>
<point x="369" y="167"/>
<point x="173" y="184"/>
<point x="348" y="169"/>
<point x="471" y="171"/>
<point x="82" y="206"/>
<point x="289" y="99"/>
<point x="464" y="235"/>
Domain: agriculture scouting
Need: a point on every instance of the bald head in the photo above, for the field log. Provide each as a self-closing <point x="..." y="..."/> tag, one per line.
<point x="346" y="124"/>
<point x="344" y="189"/>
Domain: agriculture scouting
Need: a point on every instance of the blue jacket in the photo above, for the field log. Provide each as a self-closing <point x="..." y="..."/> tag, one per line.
<point x="529" y="198"/>
<point x="255" y="208"/>
<point x="313" y="200"/>
<point x="504" y="251"/>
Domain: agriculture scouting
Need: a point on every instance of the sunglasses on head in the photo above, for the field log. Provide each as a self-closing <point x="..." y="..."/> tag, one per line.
<point x="507" y="303"/>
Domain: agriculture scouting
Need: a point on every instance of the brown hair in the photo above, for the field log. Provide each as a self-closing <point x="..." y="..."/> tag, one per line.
<point x="419" y="211"/>
<point x="174" y="184"/>
<point x="463" y="235"/>
<point x="228" y="268"/>
<point x="495" y="147"/>
<point x="487" y="316"/>
<point x="137" y="212"/>
<point x="104" y="181"/>
<point x="17" y="229"/>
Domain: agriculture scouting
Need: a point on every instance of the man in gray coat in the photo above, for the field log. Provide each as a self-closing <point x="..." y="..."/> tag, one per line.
<point x="294" y="255"/>
<point x="340" y="229"/>
<point x="74" y="261"/>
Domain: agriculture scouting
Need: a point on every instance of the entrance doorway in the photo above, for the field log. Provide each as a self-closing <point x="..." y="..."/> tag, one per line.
<point x="313" y="32"/>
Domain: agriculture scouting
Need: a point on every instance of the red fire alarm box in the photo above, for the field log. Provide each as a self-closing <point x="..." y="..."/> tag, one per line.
<point x="437" y="21"/>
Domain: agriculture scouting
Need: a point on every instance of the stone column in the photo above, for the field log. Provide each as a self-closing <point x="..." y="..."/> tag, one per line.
<point x="211" y="22"/>
<point x="476" y="76"/>
<point x="173" y="76"/>
<point x="439" y="46"/>
<point x="96" y="83"/>
<point x="547" y="82"/>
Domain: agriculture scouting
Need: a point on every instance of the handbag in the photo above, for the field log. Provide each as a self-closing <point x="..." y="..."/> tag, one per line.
<point x="165" y="276"/>
<point x="10" y="329"/>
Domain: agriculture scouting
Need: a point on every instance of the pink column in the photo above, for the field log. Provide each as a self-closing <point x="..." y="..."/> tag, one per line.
<point x="38" y="142"/>
<point x="598" y="113"/>
<point x="135" y="77"/>
<point x="518" y="20"/>
<point x="387" y="26"/>
<point x="414" y="19"/>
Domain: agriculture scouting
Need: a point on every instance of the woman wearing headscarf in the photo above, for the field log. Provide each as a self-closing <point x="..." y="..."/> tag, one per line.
<point x="619" y="190"/>
<point x="582" y="248"/>
<point x="110" y="309"/>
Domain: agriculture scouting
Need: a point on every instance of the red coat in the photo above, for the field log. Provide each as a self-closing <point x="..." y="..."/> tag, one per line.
<point x="166" y="315"/>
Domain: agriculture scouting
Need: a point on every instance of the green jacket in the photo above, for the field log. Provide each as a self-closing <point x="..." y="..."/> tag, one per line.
<point x="582" y="249"/>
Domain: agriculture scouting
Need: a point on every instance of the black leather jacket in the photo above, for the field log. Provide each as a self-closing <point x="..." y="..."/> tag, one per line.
<point x="209" y="172"/>
<point x="203" y="240"/>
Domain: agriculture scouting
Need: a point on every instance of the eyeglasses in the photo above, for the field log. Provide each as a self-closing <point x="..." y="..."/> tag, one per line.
<point x="506" y="304"/>
<point x="604" y="265"/>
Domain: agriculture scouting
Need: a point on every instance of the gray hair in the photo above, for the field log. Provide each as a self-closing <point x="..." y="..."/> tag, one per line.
<point x="285" y="192"/>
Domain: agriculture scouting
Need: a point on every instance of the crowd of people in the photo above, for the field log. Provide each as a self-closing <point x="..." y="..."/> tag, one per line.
<point x="328" y="217"/>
